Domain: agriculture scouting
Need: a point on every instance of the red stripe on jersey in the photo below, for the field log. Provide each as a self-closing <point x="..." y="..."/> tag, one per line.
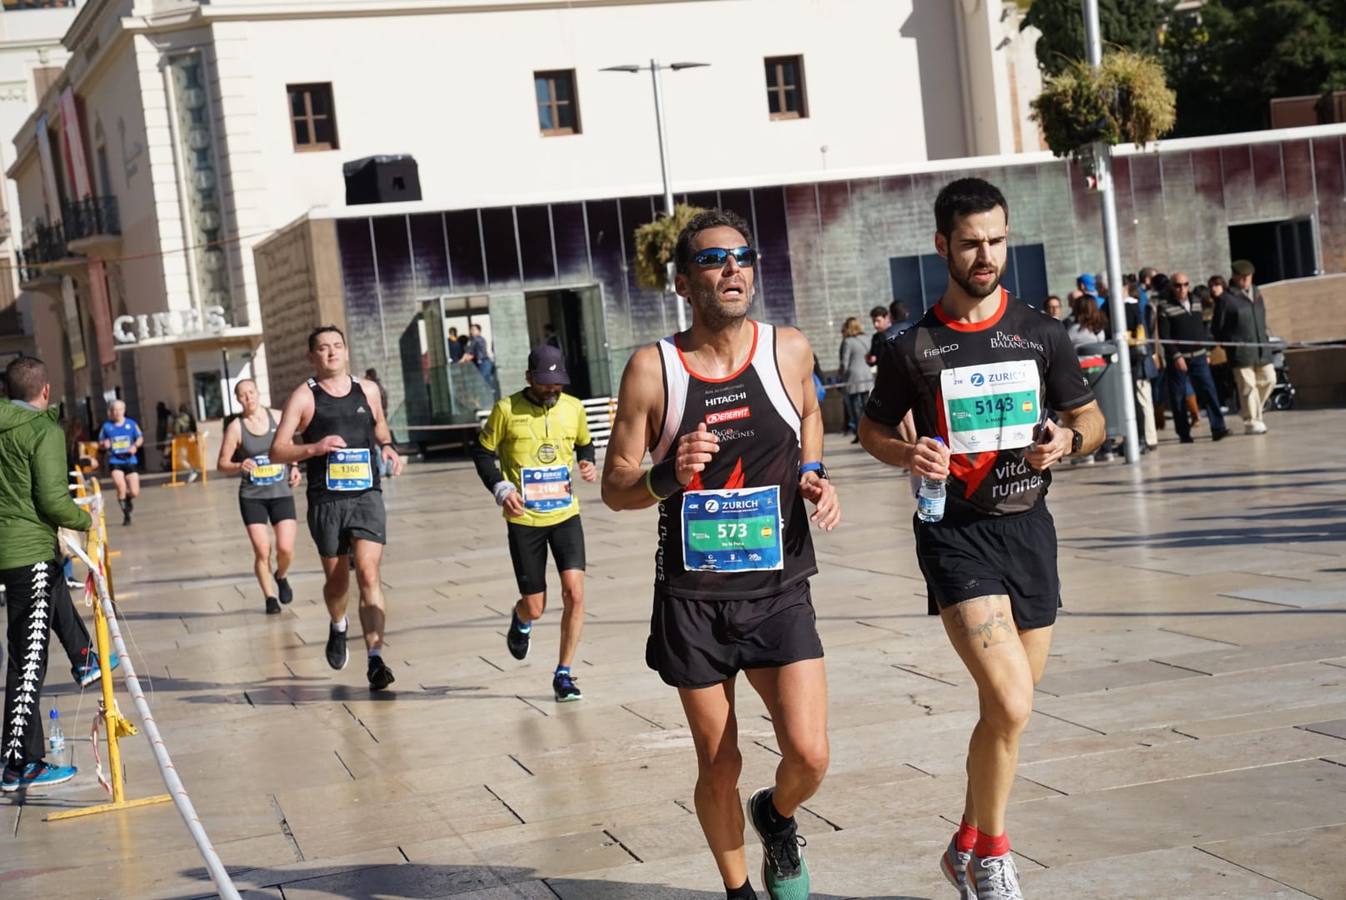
<point x="735" y="477"/>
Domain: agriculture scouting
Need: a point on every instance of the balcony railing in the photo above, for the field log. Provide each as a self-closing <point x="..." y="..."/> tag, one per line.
<point x="44" y="244"/>
<point x="91" y="216"/>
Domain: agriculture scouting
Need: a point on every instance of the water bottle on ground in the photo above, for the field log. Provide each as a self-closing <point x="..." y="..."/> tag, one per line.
<point x="930" y="498"/>
<point x="56" y="738"/>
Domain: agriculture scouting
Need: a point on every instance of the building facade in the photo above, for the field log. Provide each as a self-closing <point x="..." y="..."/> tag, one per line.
<point x="397" y="279"/>
<point x="182" y="133"/>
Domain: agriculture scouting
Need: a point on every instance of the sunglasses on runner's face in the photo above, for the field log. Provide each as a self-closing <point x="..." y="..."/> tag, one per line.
<point x="716" y="257"/>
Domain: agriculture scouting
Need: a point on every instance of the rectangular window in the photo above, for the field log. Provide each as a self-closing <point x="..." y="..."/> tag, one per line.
<point x="313" y="116"/>
<point x="785" y="87"/>
<point x="558" y="108"/>
<point x="919" y="280"/>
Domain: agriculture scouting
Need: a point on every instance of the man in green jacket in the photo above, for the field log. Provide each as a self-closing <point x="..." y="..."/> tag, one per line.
<point x="34" y="502"/>
<point x="1241" y="318"/>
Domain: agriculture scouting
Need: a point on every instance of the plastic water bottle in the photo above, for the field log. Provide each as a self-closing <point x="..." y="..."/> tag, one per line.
<point x="55" y="736"/>
<point x="930" y="498"/>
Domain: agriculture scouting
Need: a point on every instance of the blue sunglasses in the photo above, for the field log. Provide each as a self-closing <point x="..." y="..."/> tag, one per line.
<point x="716" y="257"/>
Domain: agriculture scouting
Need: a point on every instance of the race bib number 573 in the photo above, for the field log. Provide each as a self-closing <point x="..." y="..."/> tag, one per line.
<point x="991" y="407"/>
<point x="732" y="530"/>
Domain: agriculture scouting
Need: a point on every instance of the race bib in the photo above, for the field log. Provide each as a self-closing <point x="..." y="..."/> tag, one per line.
<point x="267" y="472"/>
<point x="121" y="445"/>
<point x="349" y="470"/>
<point x="546" y="489"/>
<point x="732" y="530"/>
<point x="991" y="407"/>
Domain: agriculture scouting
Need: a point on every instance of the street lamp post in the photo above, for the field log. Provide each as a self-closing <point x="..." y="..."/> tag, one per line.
<point x="654" y="68"/>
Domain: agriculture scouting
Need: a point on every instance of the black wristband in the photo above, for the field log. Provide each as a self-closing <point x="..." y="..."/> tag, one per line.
<point x="662" y="479"/>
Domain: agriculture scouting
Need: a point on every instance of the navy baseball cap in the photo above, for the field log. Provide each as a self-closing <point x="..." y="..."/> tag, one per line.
<point x="547" y="365"/>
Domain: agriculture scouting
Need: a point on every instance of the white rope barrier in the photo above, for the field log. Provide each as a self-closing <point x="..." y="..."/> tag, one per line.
<point x="214" y="865"/>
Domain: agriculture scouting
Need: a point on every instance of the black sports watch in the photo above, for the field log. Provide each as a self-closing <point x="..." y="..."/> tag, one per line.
<point x="1076" y="441"/>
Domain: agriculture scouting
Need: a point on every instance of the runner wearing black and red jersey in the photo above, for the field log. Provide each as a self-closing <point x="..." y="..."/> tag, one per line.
<point x="980" y="372"/>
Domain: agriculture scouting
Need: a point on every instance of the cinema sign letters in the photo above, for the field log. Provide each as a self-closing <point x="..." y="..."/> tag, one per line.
<point x="167" y="327"/>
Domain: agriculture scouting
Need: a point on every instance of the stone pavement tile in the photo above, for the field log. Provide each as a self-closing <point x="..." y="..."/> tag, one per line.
<point x="879" y="802"/>
<point x="1059" y="683"/>
<point x="1326" y="595"/>
<point x="1293" y="858"/>
<point x="1179" y="872"/>
<point x="1131" y="708"/>
<point x="1298" y="715"/>
<point x="1260" y="626"/>
<point x="1141" y="765"/>
<point x="1063" y="830"/>
<point x="1264" y="656"/>
<point x="395" y="880"/>
<point x="547" y="857"/>
<point x="1336" y="729"/>
<point x="519" y="890"/>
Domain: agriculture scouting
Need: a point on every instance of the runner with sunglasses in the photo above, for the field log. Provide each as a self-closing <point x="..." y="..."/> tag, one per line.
<point x="728" y="414"/>
<point x="980" y="371"/>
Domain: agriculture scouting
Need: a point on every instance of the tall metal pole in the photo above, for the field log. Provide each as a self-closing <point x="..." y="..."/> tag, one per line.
<point x="1117" y="306"/>
<point x="668" y="185"/>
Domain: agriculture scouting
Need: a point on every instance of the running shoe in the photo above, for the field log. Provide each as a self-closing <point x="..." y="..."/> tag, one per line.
<point x="380" y="676"/>
<point x="272" y="606"/>
<point x="283" y="588"/>
<point x="517" y="639"/>
<point x="336" y="647"/>
<point x="996" y="878"/>
<point x="564" y="687"/>
<point x="35" y="775"/>
<point x="784" y="871"/>
<point x="192" y="475"/>
<point x="88" y="672"/>
<point x="953" y="863"/>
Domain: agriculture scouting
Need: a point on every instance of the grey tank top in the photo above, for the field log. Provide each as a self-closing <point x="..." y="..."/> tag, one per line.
<point x="269" y="480"/>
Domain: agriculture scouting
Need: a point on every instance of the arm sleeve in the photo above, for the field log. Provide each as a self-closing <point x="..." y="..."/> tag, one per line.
<point x="891" y="398"/>
<point x="483" y="453"/>
<point x="584" y="442"/>
<point x="51" y="492"/>
<point x="1166" y="332"/>
<point x="1067" y="388"/>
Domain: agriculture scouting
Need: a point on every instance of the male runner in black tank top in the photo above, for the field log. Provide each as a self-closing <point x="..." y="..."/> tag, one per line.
<point x="728" y="412"/>
<point x="345" y="434"/>
<point x="980" y="371"/>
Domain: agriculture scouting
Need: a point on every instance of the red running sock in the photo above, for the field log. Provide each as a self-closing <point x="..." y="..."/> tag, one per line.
<point x="988" y="846"/>
<point x="967" y="837"/>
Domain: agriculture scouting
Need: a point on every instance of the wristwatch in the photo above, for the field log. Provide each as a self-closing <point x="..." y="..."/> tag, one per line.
<point x="817" y="466"/>
<point x="1076" y="441"/>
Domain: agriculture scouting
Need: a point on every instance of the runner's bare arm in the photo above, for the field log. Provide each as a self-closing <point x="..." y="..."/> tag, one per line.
<point x="228" y="447"/>
<point x="294" y="418"/>
<point x="1055" y="440"/>
<point x="926" y="457"/>
<point x="639" y="400"/>
<point x="796" y="356"/>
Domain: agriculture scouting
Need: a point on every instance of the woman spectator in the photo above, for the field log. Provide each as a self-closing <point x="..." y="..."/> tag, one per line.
<point x="1090" y="325"/>
<point x="854" y="374"/>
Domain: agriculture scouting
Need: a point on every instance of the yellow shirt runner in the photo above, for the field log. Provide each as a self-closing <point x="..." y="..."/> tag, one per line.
<point x="536" y="449"/>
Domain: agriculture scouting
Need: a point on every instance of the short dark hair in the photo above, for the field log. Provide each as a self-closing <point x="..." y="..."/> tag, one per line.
<point x="25" y="378"/>
<point x="879" y="312"/>
<point x="320" y="330"/>
<point x="963" y="198"/>
<point x="899" y="311"/>
<point x="711" y="218"/>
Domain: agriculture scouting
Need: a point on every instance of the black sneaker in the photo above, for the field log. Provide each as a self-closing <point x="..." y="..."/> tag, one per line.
<point x="516" y="640"/>
<point x="283" y="587"/>
<point x="1219" y="433"/>
<point x="336" y="648"/>
<point x="784" y="871"/>
<point x="380" y="676"/>
<point x="564" y="687"/>
<point x="272" y="606"/>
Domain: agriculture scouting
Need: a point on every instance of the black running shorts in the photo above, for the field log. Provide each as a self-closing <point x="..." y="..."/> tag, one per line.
<point x="1013" y="555"/>
<point x="124" y="468"/>
<point x="528" y="549"/>
<point x="334" y="523"/>
<point x="698" y="643"/>
<point x="260" y="511"/>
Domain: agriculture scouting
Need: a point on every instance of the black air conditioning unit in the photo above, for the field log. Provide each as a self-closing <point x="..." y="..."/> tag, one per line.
<point x="381" y="179"/>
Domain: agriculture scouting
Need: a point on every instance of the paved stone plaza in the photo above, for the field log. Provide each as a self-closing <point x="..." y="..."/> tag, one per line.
<point x="1189" y="738"/>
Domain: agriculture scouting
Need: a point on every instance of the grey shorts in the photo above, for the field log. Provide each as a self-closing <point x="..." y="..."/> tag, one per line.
<point x="334" y="523"/>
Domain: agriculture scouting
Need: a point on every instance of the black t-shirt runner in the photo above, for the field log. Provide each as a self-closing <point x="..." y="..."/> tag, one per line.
<point x="353" y="470"/>
<point x="983" y="388"/>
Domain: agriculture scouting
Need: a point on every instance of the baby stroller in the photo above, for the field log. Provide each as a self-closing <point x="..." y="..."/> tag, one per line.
<point x="1283" y="394"/>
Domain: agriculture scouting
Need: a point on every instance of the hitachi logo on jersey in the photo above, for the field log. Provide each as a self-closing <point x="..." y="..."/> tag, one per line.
<point x="727" y="398"/>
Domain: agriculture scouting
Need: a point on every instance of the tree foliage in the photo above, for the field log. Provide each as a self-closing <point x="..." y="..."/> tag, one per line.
<point x="654" y="245"/>
<point x="1224" y="59"/>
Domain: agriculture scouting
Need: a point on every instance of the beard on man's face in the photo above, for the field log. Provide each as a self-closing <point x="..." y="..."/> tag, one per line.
<point x="974" y="288"/>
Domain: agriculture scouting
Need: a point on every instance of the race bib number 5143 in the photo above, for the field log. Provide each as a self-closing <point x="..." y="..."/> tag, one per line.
<point x="991" y="407"/>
